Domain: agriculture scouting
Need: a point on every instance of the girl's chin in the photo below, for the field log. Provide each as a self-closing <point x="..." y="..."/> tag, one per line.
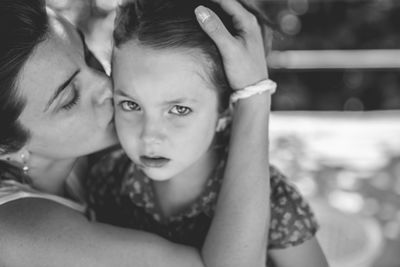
<point x="157" y="175"/>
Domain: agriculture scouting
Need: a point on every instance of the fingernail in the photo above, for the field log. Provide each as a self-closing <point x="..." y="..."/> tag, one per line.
<point x="202" y="13"/>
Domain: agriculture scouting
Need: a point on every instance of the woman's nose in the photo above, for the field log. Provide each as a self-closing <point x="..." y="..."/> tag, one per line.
<point x="101" y="88"/>
<point x="105" y="92"/>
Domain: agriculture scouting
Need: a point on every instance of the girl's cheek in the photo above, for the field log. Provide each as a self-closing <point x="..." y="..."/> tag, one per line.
<point x="178" y="124"/>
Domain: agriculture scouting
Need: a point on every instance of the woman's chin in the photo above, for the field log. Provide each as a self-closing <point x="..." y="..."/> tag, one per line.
<point x="110" y="138"/>
<point x="105" y="142"/>
<point x="110" y="141"/>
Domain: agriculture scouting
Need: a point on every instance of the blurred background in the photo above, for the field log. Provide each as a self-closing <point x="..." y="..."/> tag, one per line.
<point x="335" y="126"/>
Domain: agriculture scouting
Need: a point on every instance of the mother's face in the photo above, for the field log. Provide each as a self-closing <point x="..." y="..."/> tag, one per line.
<point x="68" y="104"/>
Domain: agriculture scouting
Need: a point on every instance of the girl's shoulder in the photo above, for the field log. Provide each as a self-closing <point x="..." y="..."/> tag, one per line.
<point x="107" y="161"/>
<point x="108" y="172"/>
<point x="292" y="219"/>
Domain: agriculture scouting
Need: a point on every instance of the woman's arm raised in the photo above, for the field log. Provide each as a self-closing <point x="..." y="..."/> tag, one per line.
<point x="243" y="204"/>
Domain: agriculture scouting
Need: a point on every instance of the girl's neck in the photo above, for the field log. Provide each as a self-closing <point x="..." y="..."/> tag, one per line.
<point x="179" y="192"/>
<point x="49" y="175"/>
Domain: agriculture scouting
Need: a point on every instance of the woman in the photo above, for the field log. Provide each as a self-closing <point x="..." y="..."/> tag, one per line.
<point x="56" y="109"/>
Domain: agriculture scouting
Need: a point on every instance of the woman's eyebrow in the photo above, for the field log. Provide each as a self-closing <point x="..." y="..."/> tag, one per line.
<point x="61" y="88"/>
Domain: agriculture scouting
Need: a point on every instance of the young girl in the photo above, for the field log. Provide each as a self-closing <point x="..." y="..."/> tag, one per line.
<point x="172" y="121"/>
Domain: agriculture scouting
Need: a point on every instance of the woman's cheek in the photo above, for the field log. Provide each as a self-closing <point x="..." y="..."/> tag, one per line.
<point x="123" y="126"/>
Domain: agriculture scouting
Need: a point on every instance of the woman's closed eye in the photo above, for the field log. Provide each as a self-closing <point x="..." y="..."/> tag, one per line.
<point x="180" y="110"/>
<point x="127" y="105"/>
<point x="72" y="100"/>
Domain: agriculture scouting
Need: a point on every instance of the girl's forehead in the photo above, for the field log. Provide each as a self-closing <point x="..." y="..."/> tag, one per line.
<point x="188" y="58"/>
<point x="172" y="69"/>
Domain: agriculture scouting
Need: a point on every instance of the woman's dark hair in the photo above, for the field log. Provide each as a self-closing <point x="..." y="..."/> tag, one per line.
<point x="162" y="24"/>
<point x="23" y="25"/>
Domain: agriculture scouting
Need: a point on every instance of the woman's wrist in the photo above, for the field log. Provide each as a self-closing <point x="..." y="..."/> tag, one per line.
<point x="265" y="86"/>
<point x="256" y="104"/>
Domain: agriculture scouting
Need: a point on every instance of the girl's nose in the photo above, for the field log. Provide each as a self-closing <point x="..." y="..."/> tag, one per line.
<point x="152" y="133"/>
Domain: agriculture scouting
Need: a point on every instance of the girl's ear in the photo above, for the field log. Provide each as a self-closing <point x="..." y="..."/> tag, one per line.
<point x="223" y="120"/>
<point x="221" y="125"/>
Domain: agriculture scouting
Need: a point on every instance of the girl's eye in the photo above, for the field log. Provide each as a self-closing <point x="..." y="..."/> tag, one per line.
<point x="129" y="106"/>
<point x="75" y="98"/>
<point x="180" y="110"/>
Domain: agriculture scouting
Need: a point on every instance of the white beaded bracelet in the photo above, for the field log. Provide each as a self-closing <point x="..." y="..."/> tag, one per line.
<point x="266" y="85"/>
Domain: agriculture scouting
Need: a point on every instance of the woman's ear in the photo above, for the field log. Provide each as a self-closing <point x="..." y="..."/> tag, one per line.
<point x="20" y="157"/>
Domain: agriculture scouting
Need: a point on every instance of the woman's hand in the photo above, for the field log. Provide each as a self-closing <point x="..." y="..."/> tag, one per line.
<point x="243" y="55"/>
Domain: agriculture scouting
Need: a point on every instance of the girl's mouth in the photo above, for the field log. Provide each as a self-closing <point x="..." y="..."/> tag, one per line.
<point x="153" y="162"/>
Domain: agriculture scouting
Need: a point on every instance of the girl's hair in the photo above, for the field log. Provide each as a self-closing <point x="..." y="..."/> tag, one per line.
<point x="23" y="25"/>
<point x="172" y="24"/>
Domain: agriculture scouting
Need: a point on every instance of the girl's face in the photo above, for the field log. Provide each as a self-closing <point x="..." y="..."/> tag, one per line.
<point x="165" y="109"/>
<point x="68" y="105"/>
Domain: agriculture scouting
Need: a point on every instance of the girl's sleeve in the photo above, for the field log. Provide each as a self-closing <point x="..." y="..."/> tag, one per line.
<point x="292" y="219"/>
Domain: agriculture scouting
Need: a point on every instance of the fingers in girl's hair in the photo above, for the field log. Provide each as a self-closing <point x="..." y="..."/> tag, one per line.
<point x="240" y="15"/>
<point x="214" y="27"/>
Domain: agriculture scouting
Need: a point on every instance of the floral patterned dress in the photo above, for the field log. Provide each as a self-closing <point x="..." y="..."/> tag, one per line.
<point x="120" y="194"/>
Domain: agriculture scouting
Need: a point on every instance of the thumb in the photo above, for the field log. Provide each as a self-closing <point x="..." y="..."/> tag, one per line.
<point x="215" y="29"/>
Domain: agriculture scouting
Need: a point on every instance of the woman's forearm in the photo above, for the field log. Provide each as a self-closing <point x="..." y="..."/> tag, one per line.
<point x="239" y="231"/>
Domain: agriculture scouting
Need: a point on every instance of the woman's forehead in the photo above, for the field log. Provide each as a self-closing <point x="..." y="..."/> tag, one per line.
<point x="50" y="65"/>
<point x="63" y="31"/>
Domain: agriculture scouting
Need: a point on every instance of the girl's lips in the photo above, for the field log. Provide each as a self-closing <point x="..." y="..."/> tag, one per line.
<point x="153" y="162"/>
